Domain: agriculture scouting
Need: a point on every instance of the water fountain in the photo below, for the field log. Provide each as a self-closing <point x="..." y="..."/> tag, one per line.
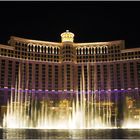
<point x="22" y="112"/>
<point x="86" y="110"/>
<point x="132" y="110"/>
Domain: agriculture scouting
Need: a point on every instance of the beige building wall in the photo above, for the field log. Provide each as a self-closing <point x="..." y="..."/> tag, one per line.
<point x="88" y="55"/>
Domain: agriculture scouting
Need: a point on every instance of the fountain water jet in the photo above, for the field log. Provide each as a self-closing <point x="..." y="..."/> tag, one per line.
<point x="86" y="109"/>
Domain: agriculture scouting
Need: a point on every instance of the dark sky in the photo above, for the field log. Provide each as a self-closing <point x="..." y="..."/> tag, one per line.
<point x="89" y="21"/>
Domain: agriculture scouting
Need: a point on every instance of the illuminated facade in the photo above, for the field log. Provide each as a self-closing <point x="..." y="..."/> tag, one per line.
<point x="51" y="67"/>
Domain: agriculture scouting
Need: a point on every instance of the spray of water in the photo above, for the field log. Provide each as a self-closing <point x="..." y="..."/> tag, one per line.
<point x="86" y="110"/>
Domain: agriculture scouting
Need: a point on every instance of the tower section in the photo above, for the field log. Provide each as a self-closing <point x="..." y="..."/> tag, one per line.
<point x="68" y="51"/>
<point x="68" y="58"/>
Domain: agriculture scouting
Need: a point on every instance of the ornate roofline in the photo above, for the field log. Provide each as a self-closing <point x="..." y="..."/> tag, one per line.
<point x="7" y="47"/>
<point x="101" y="43"/>
<point x="39" y="42"/>
<point x="24" y="40"/>
<point x="130" y="50"/>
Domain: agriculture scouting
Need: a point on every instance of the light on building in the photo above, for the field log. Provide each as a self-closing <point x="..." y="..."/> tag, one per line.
<point x="67" y="36"/>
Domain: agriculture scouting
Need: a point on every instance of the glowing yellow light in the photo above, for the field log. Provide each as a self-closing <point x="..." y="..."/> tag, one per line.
<point x="129" y="124"/>
<point x="67" y="36"/>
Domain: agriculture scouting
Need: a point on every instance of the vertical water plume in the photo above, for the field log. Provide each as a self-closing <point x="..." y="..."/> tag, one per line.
<point x="86" y="110"/>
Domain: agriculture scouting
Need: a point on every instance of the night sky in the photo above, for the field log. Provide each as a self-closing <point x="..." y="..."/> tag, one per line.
<point x="90" y="21"/>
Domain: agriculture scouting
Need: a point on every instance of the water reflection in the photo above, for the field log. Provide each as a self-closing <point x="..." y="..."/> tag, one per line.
<point x="69" y="134"/>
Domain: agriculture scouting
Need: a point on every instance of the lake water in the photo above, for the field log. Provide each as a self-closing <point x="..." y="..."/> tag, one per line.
<point x="70" y="134"/>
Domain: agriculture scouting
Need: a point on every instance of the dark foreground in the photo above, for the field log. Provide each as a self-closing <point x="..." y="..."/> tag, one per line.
<point x="70" y="134"/>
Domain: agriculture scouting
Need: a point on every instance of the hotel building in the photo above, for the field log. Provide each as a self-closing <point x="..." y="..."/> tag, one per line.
<point x="59" y="67"/>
